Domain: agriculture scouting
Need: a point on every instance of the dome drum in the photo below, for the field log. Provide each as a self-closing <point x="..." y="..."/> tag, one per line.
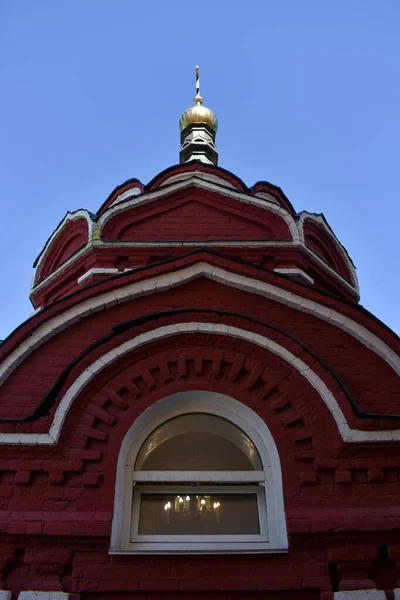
<point x="198" y="143"/>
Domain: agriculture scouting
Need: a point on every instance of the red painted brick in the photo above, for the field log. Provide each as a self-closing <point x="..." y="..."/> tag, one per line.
<point x="101" y="414"/>
<point x="34" y="528"/>
<point x="93" y="433"/>
<point x="308" y="477"/>
<point x="353" y="553"/>
<point x="58" y="529"/>
<point x="326" y="464"/>
<point x="356" y="584"/>
<point x="117" y="585"/>
<point x="91" y="479"/>
<point x="343" y="476"/>
<point x="158" y="584"/>
<point x="16" y="527"/>
<point x="200" y="584"/>
<point x="317" y="583"/>
<point x="376" y="475"/>
<point x="86" y="454"/>
<point x="56" y="478"/>
<point x="87" y="557"/>
<point x="326" y="514"/>
<point x="394" y="552"/>
<point x="23" y="477"/>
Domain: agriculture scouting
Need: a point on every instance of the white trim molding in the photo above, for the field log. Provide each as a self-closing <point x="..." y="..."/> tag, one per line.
<point x="54" y="274"/>
<point x="79" y="214"/>
<point x="91" y="371"/>
<point x="273" y="534"/>
<point x="133" y="191"/>
<point x="295" y="273"/>
<point x="195" y="181"/>
<point x="97" y="271"/>
<point x="361" y="595"/>
<point x="38" y="595"/>
<point x="159" y="283"/>
<point x="233" y="244"/>
<point x="320" y="220"/>
<point x="199" y="175"/>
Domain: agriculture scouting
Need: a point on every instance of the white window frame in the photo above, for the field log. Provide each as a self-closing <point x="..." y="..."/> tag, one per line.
<point x="193" y="542"/>
<point x="267" y="484"/>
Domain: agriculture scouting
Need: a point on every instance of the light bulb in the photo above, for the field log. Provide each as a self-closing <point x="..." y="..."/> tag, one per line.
<point x="167" y="506"/>
<point x="202" y="501"/>
<point x="180" y="499"/>
<point x="187" y="497"/>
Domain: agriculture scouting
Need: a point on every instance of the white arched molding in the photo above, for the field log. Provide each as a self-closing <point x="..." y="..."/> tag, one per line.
<point x="319" y="219"/>
<point x="79" y="214"/>
<point x="91" y="371"/>
<point x="160" y="283"/>
<point x="167" y="281"/>
<point x="212" y="403"/>
<point x="217" y="179"/>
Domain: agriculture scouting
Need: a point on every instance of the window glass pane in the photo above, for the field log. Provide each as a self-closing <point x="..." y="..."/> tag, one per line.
<point x="191" y="514"/>
<point x="198" y="442"/>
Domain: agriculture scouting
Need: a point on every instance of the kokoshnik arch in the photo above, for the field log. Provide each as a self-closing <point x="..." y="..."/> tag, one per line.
<point x="199" y="406"/>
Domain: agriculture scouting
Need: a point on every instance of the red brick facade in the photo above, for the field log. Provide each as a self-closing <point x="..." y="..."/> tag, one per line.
<point x="291" y="344"/>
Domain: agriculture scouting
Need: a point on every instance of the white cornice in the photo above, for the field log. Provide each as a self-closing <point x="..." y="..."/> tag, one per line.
<point x="233" y="244"/>
<point x="198" y="244"/>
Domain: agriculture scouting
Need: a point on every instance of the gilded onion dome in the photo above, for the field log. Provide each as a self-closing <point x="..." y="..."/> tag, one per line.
<point x="198" y="114"/>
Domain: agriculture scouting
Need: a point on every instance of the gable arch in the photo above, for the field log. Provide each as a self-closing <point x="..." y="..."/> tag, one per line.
<point x="70" y="236"/>
<point x="66" y="248"/>
<point x="211" y="403"/>
<point x="279" y="215"/>
<point x="311" y="375"/>
<point x="191" y="214"/>
<point x="320" y="239"/>
<point x="46" y="329"/>
<point x="196" y="167"/>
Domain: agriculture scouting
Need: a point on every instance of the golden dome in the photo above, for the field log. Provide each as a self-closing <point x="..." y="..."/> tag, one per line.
<point x="198" y="114"/>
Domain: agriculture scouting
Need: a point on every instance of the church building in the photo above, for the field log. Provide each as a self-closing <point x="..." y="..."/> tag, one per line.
<point x="199" y="407"/>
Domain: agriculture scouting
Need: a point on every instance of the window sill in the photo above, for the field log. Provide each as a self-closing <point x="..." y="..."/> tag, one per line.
<point x="198" y="548"/>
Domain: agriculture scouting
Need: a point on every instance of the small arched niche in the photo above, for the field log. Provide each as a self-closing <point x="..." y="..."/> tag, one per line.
<point x="198" y="472"/>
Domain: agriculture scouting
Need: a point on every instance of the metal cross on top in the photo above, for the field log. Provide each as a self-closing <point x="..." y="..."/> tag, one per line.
<point x="198" y="99"/>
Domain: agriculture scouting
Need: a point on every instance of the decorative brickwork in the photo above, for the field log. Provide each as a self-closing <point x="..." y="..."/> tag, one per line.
<point x="190" y="284"/>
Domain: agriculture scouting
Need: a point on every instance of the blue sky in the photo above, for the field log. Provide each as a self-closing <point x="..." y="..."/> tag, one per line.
<point x="307" y="94"/>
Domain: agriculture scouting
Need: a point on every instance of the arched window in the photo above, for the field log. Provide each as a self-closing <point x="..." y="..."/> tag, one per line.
<point x="198" y="471"/>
